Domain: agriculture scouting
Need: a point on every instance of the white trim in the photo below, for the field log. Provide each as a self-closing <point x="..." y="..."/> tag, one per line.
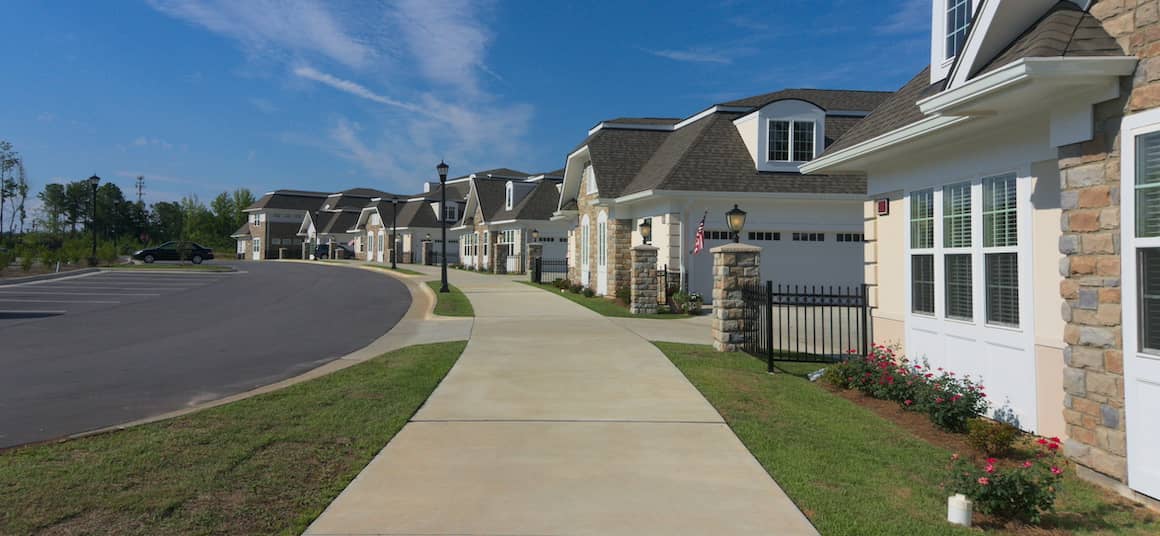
<point x="709" y="111"/>
<point x="914" y="130"/>
<point x="1132" y="126"/>
<point x="660" y="194"/>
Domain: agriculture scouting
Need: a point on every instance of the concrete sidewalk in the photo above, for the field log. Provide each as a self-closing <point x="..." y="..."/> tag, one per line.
<point x="557" y="420"/>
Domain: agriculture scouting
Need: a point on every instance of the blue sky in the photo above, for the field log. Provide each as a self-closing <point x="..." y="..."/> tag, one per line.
<point x="208" y="95"/>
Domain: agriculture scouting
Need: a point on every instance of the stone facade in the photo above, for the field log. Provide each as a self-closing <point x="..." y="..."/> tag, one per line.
<point x="1090" y="176"/>
<point x="734" y="265"/>
<point x="644" y="280"/>
<point x="619" y="242"/>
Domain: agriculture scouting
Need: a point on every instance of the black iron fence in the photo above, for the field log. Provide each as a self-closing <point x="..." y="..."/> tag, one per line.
<point x="548" y="270"/>
<point x="804" y="323"/>
<point x="670" y="282"/>
<point x="435" y="257"/>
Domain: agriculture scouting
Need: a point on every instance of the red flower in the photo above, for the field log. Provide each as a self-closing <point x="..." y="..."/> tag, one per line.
<point x="1053" y="446"/>
<point x="984" y="480"/>
<point x="1041" y="441"/>
<point x="1027" y="464"/>
<point x="938" y="400"/>
<point x="989" y="468"/>
<point x="992" y="461"/>
<point x="1055" y="440"/>
<point x="1056" y="471"/>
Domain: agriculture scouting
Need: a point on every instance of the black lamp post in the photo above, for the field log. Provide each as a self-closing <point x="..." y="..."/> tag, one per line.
<point x="394" y="237"/>
<point x="736" y="220"/>
<point x="93" y="182"/>
<point x="646" y="230"/>
<point x="442" y="169"/>
<point x="427" y="252"/>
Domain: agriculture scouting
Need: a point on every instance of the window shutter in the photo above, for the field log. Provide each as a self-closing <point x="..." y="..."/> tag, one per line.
<point x="1148" y="185"/>
<point x="922" y="219"/>
<point x="1003" y="288"/>
<point x="957" y="215"/>
<point x="999" y="217"/>
<point x="922" y="284"/>
<point x="958" y="287"/>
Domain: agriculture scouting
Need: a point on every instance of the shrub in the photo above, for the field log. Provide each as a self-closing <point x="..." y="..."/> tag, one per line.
<point x="575" y="288"/>
<point x="1022" y="492"/>
<point x="991" y="437"/>
<point x="107" y="253"/>
<point x="588" y="293"/>
<point x="951" y="401"/>
<point x="688" y="302"/>
<point x="624" y="293"/>
<point x="6" y="258"/>
<point x="560" y="283"/>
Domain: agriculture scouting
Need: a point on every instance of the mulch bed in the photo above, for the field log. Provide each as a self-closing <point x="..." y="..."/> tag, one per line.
<point x="918" y="424"/>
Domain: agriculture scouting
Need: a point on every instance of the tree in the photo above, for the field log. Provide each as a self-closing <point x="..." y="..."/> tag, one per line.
<point x="225" y="215"/>
<point x="76" y="194"/>
<point x="166" y="221"/>
<point x="54" y="204"/>
<point x="12" y="182"/>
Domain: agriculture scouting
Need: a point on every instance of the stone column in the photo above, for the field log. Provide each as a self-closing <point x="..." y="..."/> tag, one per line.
<point x="535" y="251"/>
<point x="644" y="280"/>
<point x="734" y="265"/>
<point x="425" y="251"/>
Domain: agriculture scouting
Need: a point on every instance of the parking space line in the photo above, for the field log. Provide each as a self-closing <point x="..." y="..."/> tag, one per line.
<point x="56" y="301"/>
<point x="90" y="287"/>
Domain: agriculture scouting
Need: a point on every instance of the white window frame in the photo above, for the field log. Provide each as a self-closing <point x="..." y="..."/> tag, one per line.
<point x="978" y="269"/>
<point x="451" y="212"/>
<point x="792" y="127"/>
<point x="509" y="195"/>
<point x="948" y="30"/>
<point x="589" y="175"/>
<point x="257" y="247"/>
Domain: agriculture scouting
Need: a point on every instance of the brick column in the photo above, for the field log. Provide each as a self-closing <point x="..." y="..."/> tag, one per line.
<point x="734" y="265"/>
<point x="644" y="280"/>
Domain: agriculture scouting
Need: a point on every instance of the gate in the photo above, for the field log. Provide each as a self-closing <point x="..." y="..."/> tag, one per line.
<point x="813" y="324"/>
<point x="548" y="270"/>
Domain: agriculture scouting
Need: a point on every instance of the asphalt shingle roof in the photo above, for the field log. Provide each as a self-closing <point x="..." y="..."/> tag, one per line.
<point x="618" y="154"/>
<point x="1065" y="30"/>
<point x="290" y="200"/>
<point x="243" y="231"/>
<point x="826" y="99"/>
<point x="538" y="204"/>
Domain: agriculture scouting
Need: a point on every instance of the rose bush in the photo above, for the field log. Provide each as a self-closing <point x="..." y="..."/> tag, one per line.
<point x="1023" y="491"/>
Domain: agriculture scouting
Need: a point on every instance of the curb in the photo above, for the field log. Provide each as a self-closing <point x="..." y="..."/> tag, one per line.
<point x="422" y="303"/>
<point x="45" y="277"/>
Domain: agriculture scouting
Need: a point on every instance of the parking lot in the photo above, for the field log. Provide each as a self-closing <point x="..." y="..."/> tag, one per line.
<point x="96" y="350"/>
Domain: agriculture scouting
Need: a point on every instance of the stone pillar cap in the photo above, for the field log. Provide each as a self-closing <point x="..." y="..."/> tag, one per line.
<point x="736" y="248"/>
<point x="645" y="247"/>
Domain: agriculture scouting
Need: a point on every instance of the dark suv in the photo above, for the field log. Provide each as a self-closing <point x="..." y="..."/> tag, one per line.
<point x="175" y="251"/>
<point x="341" y="251"/>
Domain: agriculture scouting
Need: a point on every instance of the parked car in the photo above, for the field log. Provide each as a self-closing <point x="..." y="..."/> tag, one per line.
<point x="341" y="251"/>
<point x="174" y="251"/>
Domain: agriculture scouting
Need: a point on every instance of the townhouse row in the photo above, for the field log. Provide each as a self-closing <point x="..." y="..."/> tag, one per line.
<point x="1003" y="208"/>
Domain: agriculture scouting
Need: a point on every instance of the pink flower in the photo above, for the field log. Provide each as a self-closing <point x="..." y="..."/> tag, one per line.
<point x="1056" y="471"/>
<point x="984" y="480"/>
<point x="938" y="400"/>
<point x="989" y="468"/>
<point x="908" y="402"/>
<point x="1027" y="464"/>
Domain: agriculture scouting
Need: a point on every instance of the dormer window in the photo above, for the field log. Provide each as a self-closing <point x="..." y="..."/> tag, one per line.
<point x="791" y="141"/>
<point x="451" y="212"/>
<point x="589" y="179"/>
<point x="510" y="196"/>
<point x="958" y="24"/>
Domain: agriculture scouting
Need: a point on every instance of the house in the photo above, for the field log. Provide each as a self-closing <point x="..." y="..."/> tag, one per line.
<point x="274" y="221"/>
<point x="677" y="172"/>
<point x="415" y="219"/>
<point x="331" y="223"/>
<point x="504" y="215"/>
<point x="1012" y="219"/>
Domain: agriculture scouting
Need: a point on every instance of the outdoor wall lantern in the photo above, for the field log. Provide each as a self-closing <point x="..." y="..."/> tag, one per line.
<point x="736" y="220"/>
<point x="535" y="235"/>
<point x="646" y="230"/>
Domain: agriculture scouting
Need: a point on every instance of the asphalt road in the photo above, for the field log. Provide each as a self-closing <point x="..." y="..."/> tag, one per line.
<point x="88" y="352"/>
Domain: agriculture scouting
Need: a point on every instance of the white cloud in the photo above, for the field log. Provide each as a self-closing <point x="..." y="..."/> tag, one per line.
<point x="353" y="88"/>
<point x="691" y="55"/>
<point x="272" y="27"/>
<point x="144" y="141"/>
<point x="446" y="38"/>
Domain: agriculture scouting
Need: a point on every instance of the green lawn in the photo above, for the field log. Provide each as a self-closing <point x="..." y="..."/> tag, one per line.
<point x="167" y="266"/>
<point x="264" y="465"/>
<point x="454" y="303"/>
<point x="601" y="305"/>
<point x="850" y="470"/>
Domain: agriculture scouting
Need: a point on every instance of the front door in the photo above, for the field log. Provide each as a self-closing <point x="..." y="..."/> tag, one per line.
<point x="1140" y="265"/>
<point x="602" y="254"/>
<point x="257" y="249"/>
<point x="381" y="247"/>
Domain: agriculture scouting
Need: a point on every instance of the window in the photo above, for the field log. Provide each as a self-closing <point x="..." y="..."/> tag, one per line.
<point x="809" y="237"/>
<point x="257" y="246"/>
<point x="957" y="215"/>
<point x="509" y="196"/>
<point x="1146" y="187"/>
<point x="764" y="236"/>
<point x="451" y="212"/>
<point x="922" y="284"/>
<point x="791" y="138"/>
<point x="718" y="235"/>
<point x="1001" y="262"/>
<point x="584" y="242"/>
<point x="960" y="300"/>
<point x="589" y="176"/>
<point x="922" y="219"/>
<point x="958" y="24"/>
<point x="850" y="237"/>
<point x="602" y="243"/>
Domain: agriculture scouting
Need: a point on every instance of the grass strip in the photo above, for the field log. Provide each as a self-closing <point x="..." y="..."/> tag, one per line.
<point x="850" y="470"/>
<point x="454" y="303"/>
<point x="265" y="465"/>
<point x="602" y="305"/>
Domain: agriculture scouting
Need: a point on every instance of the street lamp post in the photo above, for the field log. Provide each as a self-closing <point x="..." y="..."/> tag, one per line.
<point x="736" y="220"/>
<point x="442" y="169"/>
<point x="394" y="236"/>
<point x="93" y="182"/>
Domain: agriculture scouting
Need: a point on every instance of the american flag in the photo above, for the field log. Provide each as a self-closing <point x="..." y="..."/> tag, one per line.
<point x="699" y="241"/>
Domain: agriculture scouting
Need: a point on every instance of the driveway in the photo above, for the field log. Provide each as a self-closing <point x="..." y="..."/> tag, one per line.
<point x="98" y="350"/>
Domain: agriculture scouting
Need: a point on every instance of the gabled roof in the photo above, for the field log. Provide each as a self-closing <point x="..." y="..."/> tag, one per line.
<point x="618" y="154"/>
<point x="289" y="200"/>
<point x="334" y="222"/>
<point x="242" y="232"/>
<point x="709" y="155"/>
<point x="826" y="99"/>
<point x="538" y="204"/>
<point x="645" y="120"/>
<point x="1064" y="31"/>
